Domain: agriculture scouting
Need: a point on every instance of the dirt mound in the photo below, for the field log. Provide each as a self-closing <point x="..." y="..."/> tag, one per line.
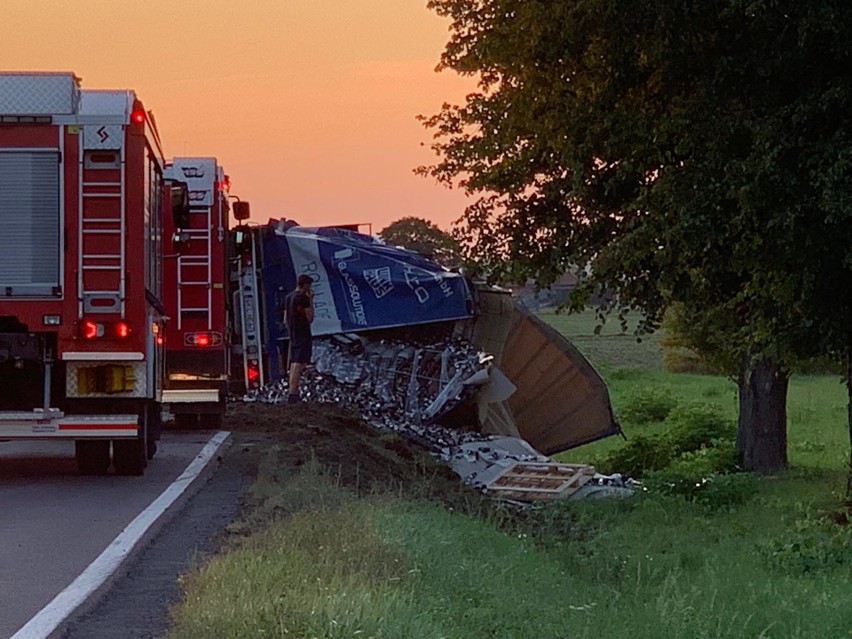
<point x="360" y="456"/>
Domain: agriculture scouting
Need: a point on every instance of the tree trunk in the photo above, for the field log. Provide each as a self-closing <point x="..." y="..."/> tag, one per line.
<point x="849" y="421"/>
<point x="762" y="425"/>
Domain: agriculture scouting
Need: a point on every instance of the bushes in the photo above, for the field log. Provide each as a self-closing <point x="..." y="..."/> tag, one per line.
<point x="641" y="454"/>
<point x="714" y="490"/>
<point x="696" y="425"/>
<point x="695" y="458"/>
<point x="690" y="428"/>
<point x="814" y="545"/>
<point x="719" y="457"/>
<point x="648" y="404"/>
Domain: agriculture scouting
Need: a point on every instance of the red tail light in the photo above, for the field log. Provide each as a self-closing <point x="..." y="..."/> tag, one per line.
<point x="253" y="374"/>
<point x="90" y="329"/>
<point x="122" y="329"/>
<point x="94" y="329"/>
<point x="203" y="339"/>
<point x="137" y="116"/>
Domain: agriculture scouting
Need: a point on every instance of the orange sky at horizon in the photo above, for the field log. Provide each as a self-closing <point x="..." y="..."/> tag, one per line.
<point x="310" y="105"/>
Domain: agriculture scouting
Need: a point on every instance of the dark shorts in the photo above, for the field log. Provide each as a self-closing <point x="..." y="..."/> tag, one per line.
<point x="300" y="351"/>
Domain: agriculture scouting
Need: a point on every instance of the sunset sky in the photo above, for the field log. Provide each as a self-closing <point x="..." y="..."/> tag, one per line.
<point x="310" y="105"/>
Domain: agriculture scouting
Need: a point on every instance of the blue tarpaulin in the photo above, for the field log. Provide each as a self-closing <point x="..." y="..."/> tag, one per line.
<point x="359" y="283"/>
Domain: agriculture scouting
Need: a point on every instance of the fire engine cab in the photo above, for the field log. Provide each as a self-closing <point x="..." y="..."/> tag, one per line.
<point x="81" y="317"/>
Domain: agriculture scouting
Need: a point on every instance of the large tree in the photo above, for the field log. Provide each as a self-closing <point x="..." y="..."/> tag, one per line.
<point x="425" y="238"/>
<point x="696" y="152"/>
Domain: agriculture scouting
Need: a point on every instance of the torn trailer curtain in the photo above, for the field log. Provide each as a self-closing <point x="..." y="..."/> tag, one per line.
<point x="560" y="400"/>
<point x="359" y="283"/>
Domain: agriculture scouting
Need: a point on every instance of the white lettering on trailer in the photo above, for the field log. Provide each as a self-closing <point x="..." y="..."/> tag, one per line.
<point x="57" y="611"/>
<point x="305" y="254"/>
<point x="358" y="313"/>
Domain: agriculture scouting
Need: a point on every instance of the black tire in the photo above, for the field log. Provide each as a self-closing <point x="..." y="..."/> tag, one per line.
<point x="154" y="429"/>
<point x="213" y="421"/>
<point x="92" y="456"/>
<point x="129" y="456"/>
<point x="186" y="420"/>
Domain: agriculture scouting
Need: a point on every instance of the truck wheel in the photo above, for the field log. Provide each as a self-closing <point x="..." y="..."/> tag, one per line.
<point x="186" y="420"/>
<point x="154" y="429"/>
<point x="92" y="456"/>
<point x="129" y="456"/>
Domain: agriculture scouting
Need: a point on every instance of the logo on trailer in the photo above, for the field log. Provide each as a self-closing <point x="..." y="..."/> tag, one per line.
<point x="102" y="134"/>
<point x="192" y="171"/>
<point x="197" y="196"/>
<point x="379" y="280"/>
<point x="415" y="283"/>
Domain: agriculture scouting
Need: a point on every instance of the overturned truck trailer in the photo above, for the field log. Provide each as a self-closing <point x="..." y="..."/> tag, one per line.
<point x="541" y="388"/>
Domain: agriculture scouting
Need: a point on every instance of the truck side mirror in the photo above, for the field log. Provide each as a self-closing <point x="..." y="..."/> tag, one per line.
<point x="242" y="211"/>
<point x="242" y="240"/>
<point x="180" y="241"/>
<point x="180" y="204"/>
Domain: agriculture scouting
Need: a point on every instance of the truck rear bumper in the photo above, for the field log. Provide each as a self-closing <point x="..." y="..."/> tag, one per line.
<point x="54" y="424"/>
<point x="192" y="396"/>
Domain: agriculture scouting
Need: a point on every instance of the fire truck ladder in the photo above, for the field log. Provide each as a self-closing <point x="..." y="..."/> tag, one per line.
<point x="191" y="266"/>
<point x="101" y="243"/>
<point x="249" y="297"/>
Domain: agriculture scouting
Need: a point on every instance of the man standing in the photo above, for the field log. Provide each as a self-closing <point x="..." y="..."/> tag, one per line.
<point x="298" y="315"/>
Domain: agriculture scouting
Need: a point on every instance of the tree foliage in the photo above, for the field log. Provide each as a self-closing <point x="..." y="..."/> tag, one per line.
<point x="424" y="237"/>
<point x="694" y="152"/>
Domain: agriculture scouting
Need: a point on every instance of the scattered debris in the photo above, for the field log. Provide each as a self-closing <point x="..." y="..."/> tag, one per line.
<point x="409" y="388"/>
<point x="539" y="480"/>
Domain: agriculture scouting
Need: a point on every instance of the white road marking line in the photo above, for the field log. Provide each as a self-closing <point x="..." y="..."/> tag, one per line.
<point x="93" y="577"/>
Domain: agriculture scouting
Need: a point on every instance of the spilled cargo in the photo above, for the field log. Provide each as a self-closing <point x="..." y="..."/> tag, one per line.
<point x="407" y="341"/>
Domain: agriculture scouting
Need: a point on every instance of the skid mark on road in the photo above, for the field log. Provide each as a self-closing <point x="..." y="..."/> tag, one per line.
<point x="93" y="577"/>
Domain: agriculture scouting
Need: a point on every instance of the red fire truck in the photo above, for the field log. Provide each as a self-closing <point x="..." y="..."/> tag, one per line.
<point x="196" y="293"/>
<point x="81" y="317"/>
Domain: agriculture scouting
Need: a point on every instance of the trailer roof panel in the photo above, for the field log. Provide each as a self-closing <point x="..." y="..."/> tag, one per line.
<point x="31" y="93"/>
<point x="96" y="105"/>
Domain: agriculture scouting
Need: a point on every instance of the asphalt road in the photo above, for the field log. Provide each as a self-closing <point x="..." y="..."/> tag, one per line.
<point x="54" y="523"/>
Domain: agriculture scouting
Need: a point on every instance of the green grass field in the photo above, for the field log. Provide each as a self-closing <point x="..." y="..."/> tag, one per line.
<point x="651" y="566"/>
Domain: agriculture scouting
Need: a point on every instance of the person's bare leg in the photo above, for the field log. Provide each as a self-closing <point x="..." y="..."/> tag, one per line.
<point x="295" y="376"/>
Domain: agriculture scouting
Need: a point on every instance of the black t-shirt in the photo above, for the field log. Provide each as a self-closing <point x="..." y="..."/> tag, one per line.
<point x="296" y="304"/>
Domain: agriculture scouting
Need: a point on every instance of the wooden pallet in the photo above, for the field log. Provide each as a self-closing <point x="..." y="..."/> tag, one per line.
<point x="537" y="481"/>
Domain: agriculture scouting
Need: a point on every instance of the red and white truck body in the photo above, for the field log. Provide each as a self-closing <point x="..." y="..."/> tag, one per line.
<point x="81" y="317"/>
<point x="195" y="293"/>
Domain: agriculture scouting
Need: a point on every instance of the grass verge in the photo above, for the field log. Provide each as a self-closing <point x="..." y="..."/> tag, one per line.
<point x="350" y="533"/>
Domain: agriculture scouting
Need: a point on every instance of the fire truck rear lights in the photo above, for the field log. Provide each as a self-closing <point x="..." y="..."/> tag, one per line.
<point x="122" y="329"/>
<point x="225" y="184"/>
<point x="253" y="374"/>
<point x="137" y="116"/>
<point x="51" y="320"/>
<point x="91" y="329"/>
<point x="203" y="339"/>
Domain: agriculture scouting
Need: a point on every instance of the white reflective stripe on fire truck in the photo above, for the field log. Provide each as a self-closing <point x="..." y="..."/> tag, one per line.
<point x="101" y="569"/>
<point x="106" y="357"/>
<point x="55" y="424"/>
<point x="190" y="396"/>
